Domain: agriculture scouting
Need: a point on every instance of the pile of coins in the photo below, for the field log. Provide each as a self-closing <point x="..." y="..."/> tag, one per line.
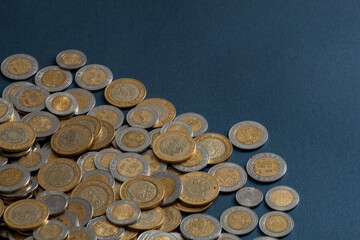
<point x="70" y="170"/>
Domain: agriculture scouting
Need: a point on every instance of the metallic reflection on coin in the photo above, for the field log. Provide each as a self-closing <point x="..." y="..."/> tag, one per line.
<point x="210" y="229"/>
<point x="248" y="135"/>
<point x="104" y="230"/>
<point x="19" y="66"/>
<point x="142" y="117"/>
<point x="68" y="218"/>
<point x="55" y="200"/>
<point x="13" y="177"/>
<point x="239" y="220"/>
<point x="54" y="230"/>
<point x="93" y="77"/>
<point x="81" y="233"/>
<point x="172" y="184"/>
<point x="123" y="212"/>
<point x="133" y="139"/>
<point x="53" y="79"/>
<point x="71" y="59"/>
<point x="228" y="236"/>
<point x="197" y="122"/>
<point x="12" y="88"/>
<point x="81" y="208"/>
<point x="276" y="224"/>
<point x="30" y="99"/>
<point x="62" y="104"/>
<point x="103" y="158"/>
<point x="154" y="134"/>
<point x="282" y="198"/>
<point x="196" y="162"/>
<point x="109" y="114"/>
<point x="86" y="100"/>
<point x="99" y="175"/>
<point x="161" y="235"/>
<point x="44" y="123"/>
<point x="177" y="126"/>
<point x="6" y="110"/>
<point x="249" y="197"/>
<point x="230" y="176"/>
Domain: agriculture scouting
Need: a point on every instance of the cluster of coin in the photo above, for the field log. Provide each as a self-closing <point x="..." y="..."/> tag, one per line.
<point x="76" y="172"/>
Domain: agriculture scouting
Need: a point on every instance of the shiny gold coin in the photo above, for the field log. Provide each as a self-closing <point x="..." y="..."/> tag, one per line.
<point x="174" y="147"/>
<point x="71" y="140"/>
<point x="150" y="219"/>
<point x="61" y="174"/>
<point x="218" y="146"/>
<point x="71" y="59"/>
<point x="125" y="92"/>
<point x="146" y="192"/>
<point x="106" y="136"/>
<point x="100" y="195"/>
<point x="191" y="209"/>
<point x="16" y="136"/>
<point x="92" y="123"/>
<point x="2" y="208"/>
<point x="276" y="224"/>
<point x="199" y="188"/>
<point x="172" y="219"/>
<point x="128" y="235"/>
<point x="164" y="109"/>
<point x="26" y="215"/>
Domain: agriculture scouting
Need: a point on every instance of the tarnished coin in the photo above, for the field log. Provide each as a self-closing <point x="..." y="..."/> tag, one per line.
<point x="248" y="135"/>
<point x="52" y="229"/>
<point x="60" y="174"/>
<point x="161" y="235"/>
<point x="99" y="175"/>
<point x="133" y="139"/>
<point x="276" y="224"/>
<point x="239" y="220"/>
<point x="196" y="162"/>
<point x="228" y="236"/>
<point x="172" y="184"/>
<point x="282" y="198"/>
<point x="44" y="123"/>
<point x="33" y="161"/>
<point x="196" y="121"/>
<point x="109" y="114"/>
<point x="172" y="219"/>
<point x="149" y="219"/>
<point x="30" y="99"/>
<point x="155" y="164"/>
<point x="62" y="104"/>
<point x="142" y="117"/>
<point x="86" y="161"/>
<point x="13" y="177"/>
<point x="19" y="66"/>
<point x="86" y="100"/>
<point x="6" y="110"/>
<point x="174" y="147"/>
<point x="16" y="136"/>
<point x="191" y="209"/>
<point x="231" y="176"/>
<point x="154" y="134"/>
<point x="3" y="160"/>
<point x="123" y="213"/>
<point x="71" y="59"/>
<point x="2" y="208"/>
<point x="36" y="214"/>
<point x="104" y="229"/>
<point x="81" y="233"/>
<point x="146" y="192"/>
<point x="107" y="135"/>
<point x="177" y="126"/>
<point x="266" y="167"/>
<point x="92" y="123"/>
<point x="189" y="227"/>
<point x="249" y="197"/>
<point x="12" y="88"/>
<point x="22" y="192"/>
<point x="93" y="77"/>
<point x="125" y="92"/>
<point x="81" y="208"/>
<point x="103" y="158"/>
<point x="55" y="200"/>
<point x="53" y="79"/>
<point x="68" y="218"/>
<point x="163" y="107"/>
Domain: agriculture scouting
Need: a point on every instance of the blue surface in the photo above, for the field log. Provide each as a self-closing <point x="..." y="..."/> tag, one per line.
<point x="291" y="65"/>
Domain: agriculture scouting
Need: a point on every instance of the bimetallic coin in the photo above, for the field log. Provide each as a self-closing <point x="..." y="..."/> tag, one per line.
<point x="109" y="114"/>
<point x="239" y="220"/>
<point x="99" y="175"/>
<point x="177" y="235"/>
<point x="81" y="233"/>
<point x="145" y="235"/>
<point x="276" y="224"/>
<point x="177" y="126"/>
<point x="282" y="198"/>
<point x="68" y="218"/>
<point x="62" y="104"/>
<point x="248" y="135"/>
<point x="86" y="100"/>
<point x="71" y="59"/>
<point x="33" y="161"/>
<point x="163" y="107"/>
<point x="23" y="192"/>
<point x="191" y="209"/>
<point x="19" y="66"/>
<point x="103" y="158"/>
<point x="16" y="137"/>
<point x="3" y="160"/>
<point x="155" y="164"/>
<point x="53" y="79"/>
<point x="16" y="154"/>
<point x="231" y="176"/>
<point x="154" y="134"/>
<point x="196" y="121"/>
<point x="249" y="197"/>
<point x="123" y="213"/>
<point x="92" y="123"/>
<point x="172" y="219"/>
<point x="149" y="219"/>
<point x="30" y="99"/>
<point x="133" y="139"/>
<point x="55" y="200"/>
<point x="107" y="135"/>
<point x="129" y="165"/>
<point x="93" y="77"/>
<point x="86" y="162"/>
<point x="13" y="177"/>
<point x="116" y="133"/>
<point x="54" y="230"/>
<point x="172" y="184"/>
<point x="142" y="117"/>
<point x="266" y="167"/>
<point x="12" y="88"/>
<point x="161" y="235"/>
<point x="228" y="236"/>
<point x="44" y="124"/>
<point x="104" y="229"/>
<point x="196" y="162"/>
<point x="6" y="110"/>
<point x="189" y="227"/>
<point x="81" y="208"/>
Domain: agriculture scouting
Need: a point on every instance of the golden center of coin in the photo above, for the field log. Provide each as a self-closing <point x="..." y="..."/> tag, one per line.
<point x="160" y="109"/>
<point x="50" y="231"/>
<point x="61" y="103"/>
<point x="72" y="138"/>
<point x="214" y="146"/>
<point x="93" y="76"/>
<point x="40" y="123"/>
<point x="30" y="160"/>
<point x="248" y="134"/>
<point x="106" y="159"/>
<point x="26" y="213"/>
<point x="266" y="167"/>
<point x="169" y="186"/>
<point x="106" y="115"/>
<point x="97" y="196"/>
<point x="276" y="224"/>
<point x="197" y="187"/>
<point x="200" y="227"/>
<point x="78" y="236"/>
<point x="194" y="160"/>
<point x="133" y="139"/>
<point x="104" y="228"/>
<point x="98" y="177"/>
<point x="11" y="177"/>
<point x="154" y="136"/>
<point x="53" y="78"/>
<point x="123" y="211"/>
<point x="3" y="109"/>
<point x="125" y="92"/>
<point x="142" y="191"/>
<point x="282" y="198"/>
<point x="31" y="98"/>
<point x="147" y="217"/>
<point x="130" y="167"/>
<point x="172" y="219"/>
<point x="19" y="66"/>
<point x="59" y="175"/>
<point x="88" y="164"/>
<point x="154" y="163"/>
<point x="177" y="128"/>
<point x="64" y="219"/>
<point x="142" y="117"/>
<point x="227" y="176"/>
<point x="90" y="122"/>
<point x="13" y="135"/>
<point x="78" y="209"/>
<point x="174" y="145"/>
<point x="71" y="59"/>
<point x="14" y="90"/>
<point x="239" y="220"/>
<point x="82" y="99"/>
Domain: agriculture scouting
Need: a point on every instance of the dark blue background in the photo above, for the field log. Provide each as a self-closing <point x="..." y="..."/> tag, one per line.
<point x="291" y="65"/>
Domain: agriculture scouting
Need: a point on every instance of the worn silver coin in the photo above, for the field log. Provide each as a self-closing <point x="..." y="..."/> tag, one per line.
<point x="89" y="165"/>
<point x="71" y="59"/>
<point x="283" y="221"/>
<point x="231" y="185"/>
<point x="152" y="133"/>
<point x="44" y="119"/>
<point x="33" y="185"/>
<point x="59" y="74"/>
<point x="55" y="200"/>
<point x="109" y="177"/>
<point x="134" y="136"/>
<point x="116" y="206"/>
<point x="178" y="186"/>
<point x="93" y="77"/>
<point x="85" y="205"/>
<point x="30" y="96"/>
<point x="116" y="122"/>
<point x="22" y="172"/>
<point x="61" y="236"/>
<point x="197" y="122"/>
<point x="142" y="122"/>
<point x="228" y="236"/>
<point x="84" y="232"/>
<point x="94" y="221"/>
<point x="83" y="96"/>
<point x="286" y="198"/>
<point x="10" y="89"/>
<point x="19" y="66"/>
<point x="256" y="135"/>
<point x="171" y="125"/>
<point x="103" y="158"/>
<point x="41" y="162"/>
<point x="249" y="197"/>
<point x="155" y="164"/>
<point x="161" y="235"/>
<point x="231" y="215"/>
<point x="60" y="109"/>
<point x="201" y="219"/>
<point x="7" y="110"/>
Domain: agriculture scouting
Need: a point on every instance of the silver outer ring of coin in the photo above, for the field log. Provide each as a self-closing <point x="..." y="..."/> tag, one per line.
<point x="124" y="148"/>
<point x="261" y="142"/>
<point x="23" y="109"/>
<point x="265" y="238"/>
<point x="146" y="234"/>
<point x="81" y="159"/>
<point x="227" y="212"/>
<point x="46" y="148"/>
<point x="163" y="165"/>
<point x="110" y="178"/>
<point x="16" y="154"/>
<point x="17" y="116"/>
<point x="10" y="111"/>
<point x="201" y="165"/>
<point x="177" y="235"/>
<point x="288" y="218"/>
<point x="67" y="82"/>
<point x="246" y="202"/>
<point x="116" y="110"/>
<point x="71" y="67"/>
<point x="80" y="72"/>
<point x="74" y="104"/>
<point x="116" y="133"/>
<point x="74" y="221"/>
<point x="161" y="234"/>
<point x="33" y="70"/>
<point x="204" y="123"/>
<point x="62" y="235"/>
<point x="188" y="235"/>
<point x="238" y="168"/>
<point x="155" y="117"/>
<point x="103" y="218"/>
<point x="4" y="160"/>
<point x="278" y="175"/>
<point x="23" y="182"/>
<point x="88" y="209"/>
<point x="178" y="187"/>
<point x="228" y="235"/>
<point x="55" y="123"/>
<point x="97" y="159"/>
<point x="152" y="132"/>
<point x="115" y="161"/>
<point x="172" y="123"/>
<point x="91" y="97"/>
<point x="8" y="88"/>
<point x="90" y="234"/>
<point x="43" y="160"/>
<point x="125" y="222"/>
<point x="34" y="185"/>
<point x="55" y="208"/>
<point x="292" y="205"/>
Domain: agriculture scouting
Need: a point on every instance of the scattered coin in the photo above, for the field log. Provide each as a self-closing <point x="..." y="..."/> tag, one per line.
<point x="2" y="208"/>
<point x="13" y="177"/>
<point x="172" y="219"/>
<point x="85" y="99"/>
<point x="52" y="229"/>
<point x="24" y="192"/>
<point x="99" y="175"/>
<point x="128" y="235"/>
<point x="133" y="139"/>
<point x="107" y="135"/>
<point x="196" y="121"/>
<point x="86" y="161"/>
<point x="239" y="220"/>
<point x="71" y="59"/>
<point x="248" y="135"/>
<point x="191" y="209"/>
<point x="155" y="164"/>
<point x="6" y="110"/>
<point x="149" y="219"/>
<point x="177" y="126"/>
<point x="3" y="160"/>
<point x="196" y="162"/>
<point x="62" y="104"/>
<point x="146" y="234"/>
<point x="142" y="117"/>
<point x="43" y="123"/>
<point x="109" y="114"/>
<point x="276" y="224"/>
<point x="189" y="227"/>
<point x="164" y="109"/>
<point x="93" y="77"/>
<point x="172" y="184"/>
<point x="249" y="197"/>
<point x="92" y="123"/>
<point x="282" y="198"/>
<point x="16" y="137"/>
<point x="19" y="66"/>
<point x="53" y="79"/>
<point x="104" y="229"/>
<point x="68" y="218"/>
<point x="12" y="88"/>
<point x="30" y="99"/>
<point x="55" y="200"/>
<point x="103" y="158"/>
<point x="81" y="208"/>
<point x="123" y="213"/>
<point x="231" y="176"/>
<point x="154" y="134"/>
<point x="81" y="233"/>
